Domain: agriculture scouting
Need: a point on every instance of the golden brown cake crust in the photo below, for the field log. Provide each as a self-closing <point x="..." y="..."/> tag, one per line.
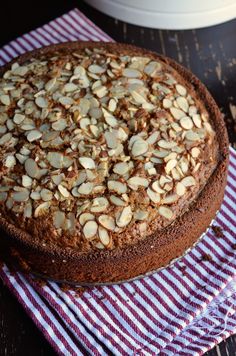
<point x="146" y="255"/>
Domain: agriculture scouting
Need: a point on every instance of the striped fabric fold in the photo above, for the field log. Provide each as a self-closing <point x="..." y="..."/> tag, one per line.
<point x="184" y="309"/>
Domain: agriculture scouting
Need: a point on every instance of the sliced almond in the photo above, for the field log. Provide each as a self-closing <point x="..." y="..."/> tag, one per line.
<point x="153" y="138"/>
<point x="157" y="188"/>
<point x="188" y="181"/>
<point x="90" y="229"/>
<point x="197" y="120"/>
<point x="167" y="103"/>
<point x="87" y="162"/>
<point x="155" y="197"/>
<point x="103" y="236"/>
<point x="181" y="90"/>
<point x="182" y="103"/>
<point x="166" y="144"/>
<point x="165" y="212"/>
<point x="140" y="214"/>
<point x="21" y="196"/>
<point x="131" y="73"/>
<point x="125" y="217"/>
<point x="46" y="194"/>
<point x="31" y="168"/>
<point x="107" y="221"/>
<point x="135" y="181"/>
<point x="116" y="201"/>
<point x="192" y="136"/>
<point x="139" y="148"/>
<point x="42" y="209"/>
<point x="121" y="168"/>
<point x="177" y="113"/>
<point x="117" y="186"/>
<point x="170" y="165"/>
<point x="195" y="152"/>
<point x="186" y="123"/>
<point x="99" y="205"/>
<point x="18" y="118"/>
<point x="34" y="135"/>
<point x="85" y="188"/>
<point x="64" y="192"/>
<point x="180" y="189"/>
<point x="83" y="218"/>
<point x="170" y="199"/>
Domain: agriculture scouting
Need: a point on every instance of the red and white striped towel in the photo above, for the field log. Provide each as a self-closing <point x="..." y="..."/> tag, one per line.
<point x="184" y="309"/>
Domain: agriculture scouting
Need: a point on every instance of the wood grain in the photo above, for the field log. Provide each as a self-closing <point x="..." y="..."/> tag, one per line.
<point x="210" y="53"/>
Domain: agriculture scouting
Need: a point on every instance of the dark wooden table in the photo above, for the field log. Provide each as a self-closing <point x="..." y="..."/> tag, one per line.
<point x="210" y="53"/>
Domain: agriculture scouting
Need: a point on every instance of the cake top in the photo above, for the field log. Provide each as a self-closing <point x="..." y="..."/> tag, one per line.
<point x="94" y="143"/>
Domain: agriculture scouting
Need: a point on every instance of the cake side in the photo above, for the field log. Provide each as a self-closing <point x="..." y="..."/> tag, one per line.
<point x="126" y="261"/>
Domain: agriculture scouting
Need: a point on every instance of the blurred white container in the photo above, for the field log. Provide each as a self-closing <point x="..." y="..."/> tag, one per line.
<point x="169" y="14"/>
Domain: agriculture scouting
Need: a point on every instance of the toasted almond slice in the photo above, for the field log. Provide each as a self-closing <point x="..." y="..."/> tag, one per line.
<point x="103" y="236"/>
<point x="96" y="69"/>
<point x="21" y="196"/>
<point x="107" y="221"/>
<point x="165" y="212"/>
<point x="170" y="199"/>
<point x="172" y="155"/>
<point x="87" y="162"/>
<point x="112" y="105"/>
<point x="195" y="152"/>
<point x="156" y="187"/>
<point x="83" y="218"/>
<point x="34" y="135"/>
<point x="155" y="197"/>
<point x="170" y="165"/>
<point x="99" y="205"/>
<point x="116" y="186"/>
<point x="46" y="194"/>
<point x="109" y="118"/>
<point x="85" y="188"/>
<point x="135" y="181"/>
<point x="197" y="120"/>
<point x="180" y="189"/>
<point x="140" y="214"/>
<point x="125" y="217"/>
<point x="139" y="99"/>
<point x="139" y="148"/>
<point x="90" y="229"/>
<point x="167" y="103"/>
<point x="186" y="123"/>
<point x="26" y="181"/>
<point x="153" y="138"/>
<point x="166" y="144"/>
<point x="18" y="118"/>
<point x="121" y="168"/>
<point x="31" y="168"/>
<point x="131" y="73"/>
<point x="42" y="209"/>
<point x="181" y="90"/>
<point x="177" y="113"/>
<point x="182" y="103"/>
<point x="41" y="102"/>
<point x="192" y="136"/>
<point x="116" y="201"/>
<point x="59" y="125"/>
<point x="64" y="192"/>
<point x="188" y="181"/>
<point x="5" y="99"/>
<point x="5" y="138"/>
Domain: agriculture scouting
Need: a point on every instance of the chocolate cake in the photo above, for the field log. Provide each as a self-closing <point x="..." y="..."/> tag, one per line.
<point x="113" y="161"/>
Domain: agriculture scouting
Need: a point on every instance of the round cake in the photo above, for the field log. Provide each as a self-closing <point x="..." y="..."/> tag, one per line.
<point x="113" y="161"/>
